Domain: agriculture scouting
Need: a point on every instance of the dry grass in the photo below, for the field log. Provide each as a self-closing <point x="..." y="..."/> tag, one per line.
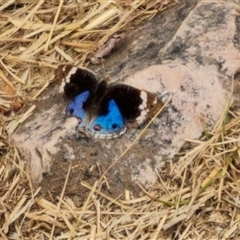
<point x="195" y="198"/>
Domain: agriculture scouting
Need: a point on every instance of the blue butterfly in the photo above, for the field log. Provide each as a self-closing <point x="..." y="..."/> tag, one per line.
<point x="104" y="110"/>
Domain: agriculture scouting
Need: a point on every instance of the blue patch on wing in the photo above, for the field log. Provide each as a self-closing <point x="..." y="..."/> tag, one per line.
<point x="109" y="125"/>
<point x="75" y="108"/>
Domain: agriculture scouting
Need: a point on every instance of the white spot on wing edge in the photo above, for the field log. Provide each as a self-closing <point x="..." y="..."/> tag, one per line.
<point x="142" y="117"/>
<point x="71" y="72"/>
<point x="143" y="107"/>
<point x="67" y="79"/>
<point x="144" y="98"/>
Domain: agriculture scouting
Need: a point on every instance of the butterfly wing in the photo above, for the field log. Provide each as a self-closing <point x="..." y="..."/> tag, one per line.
<point x="116" y="106"/>
<point x="76" y="80"/>
<point x="135" y="105"/>
<point x="107" y="124"/>
<point x="104" y="117"/>
<point x="79" y="86"/>
<point x="105" y="110"/>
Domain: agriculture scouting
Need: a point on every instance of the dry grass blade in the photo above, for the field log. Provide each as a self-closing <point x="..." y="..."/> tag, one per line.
<point x="190" y="156"/>
<point x="60" y="200"/>
<point x="13" y="75"/>
<point x="107" y="16"/>
<point x="14" y="124"/>
<point x="6" y="4"/>
<point x="3" y="77"/>
<point x="54" y="24"/>
<point x="20" y="208"/>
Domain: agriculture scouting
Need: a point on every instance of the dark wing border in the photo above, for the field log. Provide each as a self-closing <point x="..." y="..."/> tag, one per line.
<point x="76" y="80"/>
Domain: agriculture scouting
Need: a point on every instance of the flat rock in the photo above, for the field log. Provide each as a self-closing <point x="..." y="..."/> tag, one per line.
<point x="189" y="53"/>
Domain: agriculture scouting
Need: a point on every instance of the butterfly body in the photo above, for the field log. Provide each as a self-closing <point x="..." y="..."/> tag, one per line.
<point x="104" y="110"/>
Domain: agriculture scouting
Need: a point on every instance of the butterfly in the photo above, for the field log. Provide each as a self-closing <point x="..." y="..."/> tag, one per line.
<point x="104" y="110"/>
